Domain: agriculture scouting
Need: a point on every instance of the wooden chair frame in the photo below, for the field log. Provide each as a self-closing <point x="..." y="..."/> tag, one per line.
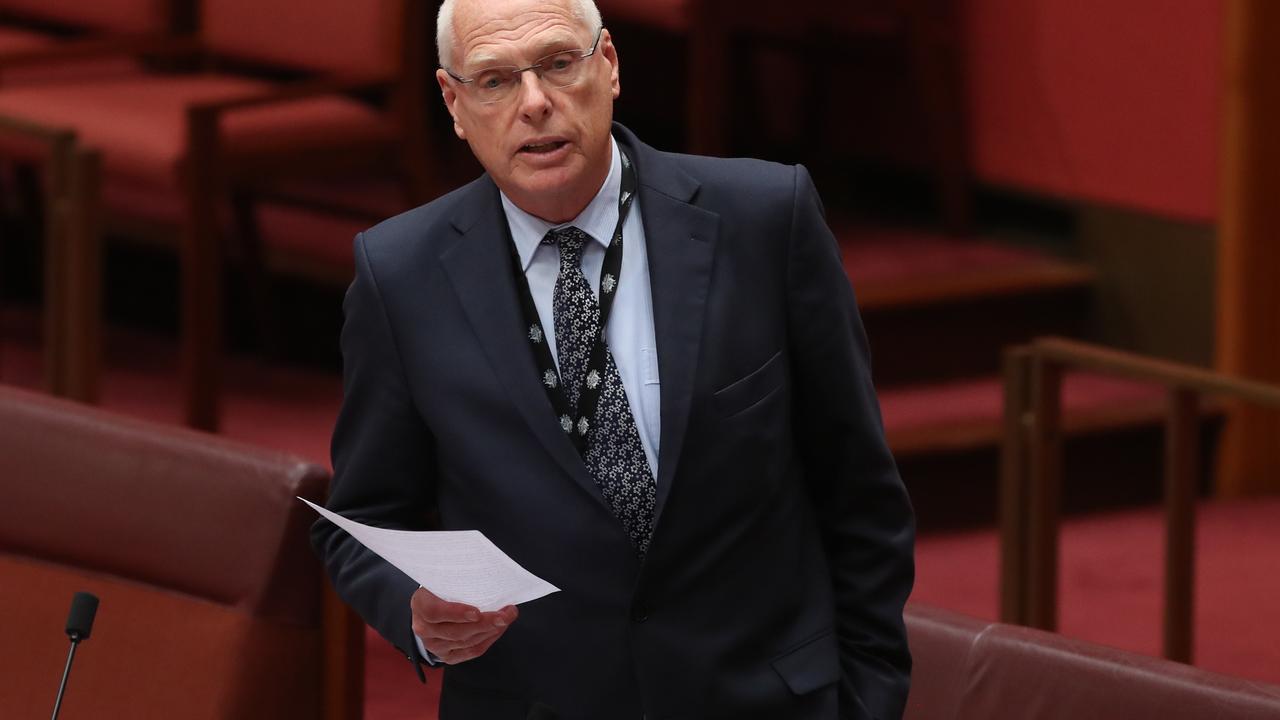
<point x="211" y="175"/>
<point x="934" y="57"/>
<point x="72" y="258"/>
<point x="1031" y="474"/>
<point x="343" y="667"/>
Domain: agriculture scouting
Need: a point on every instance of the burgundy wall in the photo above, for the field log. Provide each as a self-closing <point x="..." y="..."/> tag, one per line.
<point x="1098" y="100"/>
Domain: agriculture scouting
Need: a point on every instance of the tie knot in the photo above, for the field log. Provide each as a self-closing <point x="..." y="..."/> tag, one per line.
<point x="571" y="241"/>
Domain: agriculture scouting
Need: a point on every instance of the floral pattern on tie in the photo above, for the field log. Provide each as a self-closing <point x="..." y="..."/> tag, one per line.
<point x="615" y="454"/>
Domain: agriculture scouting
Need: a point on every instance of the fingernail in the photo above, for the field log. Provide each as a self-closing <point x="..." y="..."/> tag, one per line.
<point x="500" y="623"/>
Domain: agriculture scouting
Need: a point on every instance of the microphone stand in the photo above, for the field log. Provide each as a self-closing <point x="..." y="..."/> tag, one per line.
<point x="62" y="687"/>
<point x="84" y="606"/>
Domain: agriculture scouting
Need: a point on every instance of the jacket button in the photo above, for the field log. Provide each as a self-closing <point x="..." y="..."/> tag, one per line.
<point x="639" y="617"/>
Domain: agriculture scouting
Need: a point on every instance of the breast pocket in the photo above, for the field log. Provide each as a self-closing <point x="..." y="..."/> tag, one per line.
<point x="751" y="388"/>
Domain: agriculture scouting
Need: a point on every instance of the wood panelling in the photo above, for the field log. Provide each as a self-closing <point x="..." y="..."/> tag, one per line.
<point x="1248" y="317"/>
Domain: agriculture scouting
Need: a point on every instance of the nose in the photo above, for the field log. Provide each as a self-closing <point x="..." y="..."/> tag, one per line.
<point x="533" y="98"/>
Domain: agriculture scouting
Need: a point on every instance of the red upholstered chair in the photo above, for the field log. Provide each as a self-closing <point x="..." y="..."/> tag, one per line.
<point x="925" y="33"/>
<point x="353" y="97"/>
<point x="29" y="31"/>
<point x="30" y="27"/>
<point x="970" y="669"/>
<point x="16" y="39"/>
<point x="133" y="17"/>
<point x="212" y="603"/>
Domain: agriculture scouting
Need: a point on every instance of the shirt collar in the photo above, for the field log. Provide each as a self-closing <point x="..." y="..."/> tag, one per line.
<point x="597" y="219"/>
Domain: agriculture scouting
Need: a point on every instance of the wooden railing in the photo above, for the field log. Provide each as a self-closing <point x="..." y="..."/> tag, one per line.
<point x="1031" y="474"/>
<point x="72" y="252"/>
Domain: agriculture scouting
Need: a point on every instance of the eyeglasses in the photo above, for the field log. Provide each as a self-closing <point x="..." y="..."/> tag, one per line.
<point x="560" y="69"/>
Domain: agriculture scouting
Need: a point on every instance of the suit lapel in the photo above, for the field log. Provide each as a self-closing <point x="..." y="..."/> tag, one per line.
<point x="680" y="240"/>
<point x="479" y="268"/>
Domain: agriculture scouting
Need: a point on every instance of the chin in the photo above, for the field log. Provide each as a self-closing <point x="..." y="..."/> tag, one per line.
<point x="547" y="181"/>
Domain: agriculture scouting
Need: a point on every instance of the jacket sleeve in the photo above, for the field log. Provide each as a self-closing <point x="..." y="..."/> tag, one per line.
<point x="864" y="513"/>
<point x="384" y="464"/>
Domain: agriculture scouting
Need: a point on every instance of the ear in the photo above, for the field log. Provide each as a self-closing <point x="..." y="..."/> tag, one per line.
<point x="450" y="94"/>
<point x="611" y="54"/>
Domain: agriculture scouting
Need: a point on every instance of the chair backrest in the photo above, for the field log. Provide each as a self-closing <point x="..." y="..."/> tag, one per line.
<point x="124" y="16"/>
<point x="362" y="38"/>
<point x="940" y="642"/>
<point x="970" y="669"/>
<point x="1051" y="677"/>
<point x="211" y="598"/>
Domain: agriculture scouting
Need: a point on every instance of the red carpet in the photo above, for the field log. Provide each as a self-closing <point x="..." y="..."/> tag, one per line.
<point x="283" y="408"/>
<point x="1111" y="563"/>
<point x="1111" y="575"/>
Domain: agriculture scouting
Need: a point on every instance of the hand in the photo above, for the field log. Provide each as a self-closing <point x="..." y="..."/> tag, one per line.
<point x="455" y="632"/>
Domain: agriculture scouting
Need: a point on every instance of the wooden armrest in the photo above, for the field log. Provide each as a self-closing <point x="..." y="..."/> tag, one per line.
<point x="91" y="49"/>
<point x="203" y="119"/>
<point x="38" y="131"/>
<point x="285" y="94"/>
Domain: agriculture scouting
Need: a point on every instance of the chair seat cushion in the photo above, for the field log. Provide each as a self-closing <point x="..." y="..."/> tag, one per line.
<point x="121" y="16"/>
<point x="139" y="123"/>
<point x="14" y="40"/>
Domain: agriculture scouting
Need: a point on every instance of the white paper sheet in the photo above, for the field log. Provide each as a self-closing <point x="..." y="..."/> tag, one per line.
<point x="456" y="565"/>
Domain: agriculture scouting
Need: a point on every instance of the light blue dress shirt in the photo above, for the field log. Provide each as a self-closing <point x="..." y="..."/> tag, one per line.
<point x="629" y="333"/>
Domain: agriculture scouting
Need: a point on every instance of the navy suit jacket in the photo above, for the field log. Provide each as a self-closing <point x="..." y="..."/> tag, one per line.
<point x="782" y="548"/>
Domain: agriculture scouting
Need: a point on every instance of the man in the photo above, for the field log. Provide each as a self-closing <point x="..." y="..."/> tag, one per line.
<point x="706" y="479"/>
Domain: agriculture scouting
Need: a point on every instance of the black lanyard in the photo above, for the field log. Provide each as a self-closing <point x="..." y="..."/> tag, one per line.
<point x="576" y="424"/>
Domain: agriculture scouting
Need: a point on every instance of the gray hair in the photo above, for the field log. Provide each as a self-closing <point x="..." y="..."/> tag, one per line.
<point x="584" y="10"/>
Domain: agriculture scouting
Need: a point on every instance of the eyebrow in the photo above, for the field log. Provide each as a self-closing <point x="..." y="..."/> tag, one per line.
<point x="540" y="50"/>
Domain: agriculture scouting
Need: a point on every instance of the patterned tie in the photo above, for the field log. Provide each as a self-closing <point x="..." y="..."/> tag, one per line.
<point x="615" y="456"/>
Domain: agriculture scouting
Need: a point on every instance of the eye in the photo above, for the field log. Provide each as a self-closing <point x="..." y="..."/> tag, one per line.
<point x="560" y="62"/>
<point x="491" y="79"/>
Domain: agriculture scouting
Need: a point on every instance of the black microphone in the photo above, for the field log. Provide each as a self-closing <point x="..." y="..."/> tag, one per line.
<point x="84" y="606"/>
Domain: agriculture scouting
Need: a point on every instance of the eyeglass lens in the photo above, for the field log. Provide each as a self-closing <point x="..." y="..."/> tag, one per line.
<point x="560" y="69"/>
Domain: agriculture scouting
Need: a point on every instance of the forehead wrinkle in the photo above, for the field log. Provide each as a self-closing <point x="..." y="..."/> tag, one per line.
<point x="502" y="39"/>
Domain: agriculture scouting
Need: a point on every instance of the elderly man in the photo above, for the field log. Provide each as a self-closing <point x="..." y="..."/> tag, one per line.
<point x="642" y="375"/>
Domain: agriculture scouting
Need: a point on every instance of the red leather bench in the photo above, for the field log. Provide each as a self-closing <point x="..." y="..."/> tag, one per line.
<point x="969" y="669"/>
<point x="212" y="604"/>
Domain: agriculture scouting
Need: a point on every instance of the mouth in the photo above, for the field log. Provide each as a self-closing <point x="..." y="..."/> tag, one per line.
<point x="543" y="147"/>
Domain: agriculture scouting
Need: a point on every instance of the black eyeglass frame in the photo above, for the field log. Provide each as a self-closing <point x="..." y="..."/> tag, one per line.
<point x="586" y="53"/>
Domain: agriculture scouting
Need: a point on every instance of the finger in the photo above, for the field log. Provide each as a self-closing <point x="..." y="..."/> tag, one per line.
<point x="441" y="646"/>
<point x="464" y="632"/>
<point x="457" y="635"/>
<point x="446" y="630"/>
<point x="506" y="616"/>
<point x="432" y="609"/>
<point x="461" y="655"/>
